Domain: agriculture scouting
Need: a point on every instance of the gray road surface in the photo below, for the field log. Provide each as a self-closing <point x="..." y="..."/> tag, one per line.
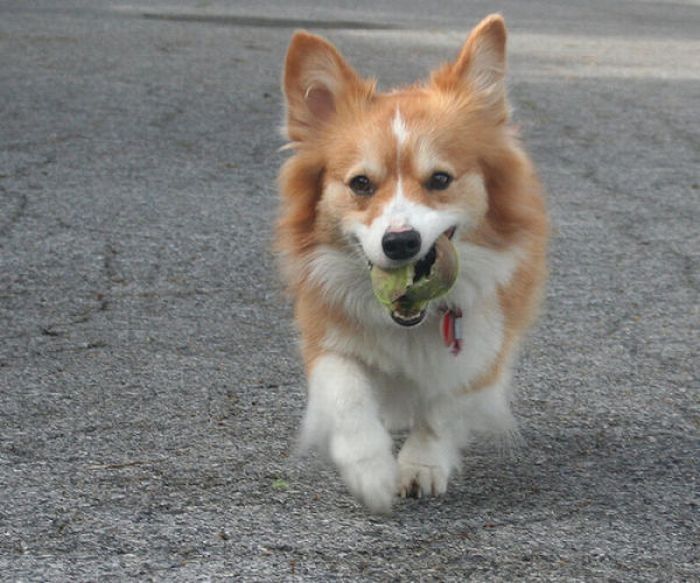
<point x="149" y="381"/>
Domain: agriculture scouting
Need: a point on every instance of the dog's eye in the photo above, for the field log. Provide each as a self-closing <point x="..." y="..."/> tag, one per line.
<point x="362" y="185"/>
<point x="439" y="181"/>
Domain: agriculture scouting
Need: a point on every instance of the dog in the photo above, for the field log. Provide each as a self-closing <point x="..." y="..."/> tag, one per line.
<point x="374" y="180"/>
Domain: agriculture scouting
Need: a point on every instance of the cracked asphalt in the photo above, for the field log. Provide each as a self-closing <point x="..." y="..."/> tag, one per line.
<point x="150" y="387"/>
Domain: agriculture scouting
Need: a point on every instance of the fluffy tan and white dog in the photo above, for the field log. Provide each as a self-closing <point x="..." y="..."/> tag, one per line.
<point x="375" y="179"/>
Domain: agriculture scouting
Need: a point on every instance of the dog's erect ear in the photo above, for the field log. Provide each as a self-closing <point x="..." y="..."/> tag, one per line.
<point x="481" y="63"/>
<point x="317" y="83"/>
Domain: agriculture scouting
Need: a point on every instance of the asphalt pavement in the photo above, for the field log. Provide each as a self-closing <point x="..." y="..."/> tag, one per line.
<point x="150" y="385"/>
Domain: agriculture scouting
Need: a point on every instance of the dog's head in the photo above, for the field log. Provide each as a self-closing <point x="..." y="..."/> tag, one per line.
<point x="388" y="173"/>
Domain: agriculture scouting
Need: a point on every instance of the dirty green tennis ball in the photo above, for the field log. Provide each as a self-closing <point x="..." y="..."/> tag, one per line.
<point x="400" y="291"/>
<point x="391" y="284"/>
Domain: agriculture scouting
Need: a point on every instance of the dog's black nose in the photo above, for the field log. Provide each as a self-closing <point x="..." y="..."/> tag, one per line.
<point x="399" y="245"/>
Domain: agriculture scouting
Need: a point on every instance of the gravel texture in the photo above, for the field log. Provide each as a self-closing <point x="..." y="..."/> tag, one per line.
<point x="150" y="387"/>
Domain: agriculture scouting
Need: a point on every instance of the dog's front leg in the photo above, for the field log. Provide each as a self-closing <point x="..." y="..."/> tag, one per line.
<point x="342" y="420"/>
<point x="431" y="452"/>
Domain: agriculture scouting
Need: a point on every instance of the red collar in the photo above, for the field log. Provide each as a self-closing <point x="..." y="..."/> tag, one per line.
<point x="451" y="327"/>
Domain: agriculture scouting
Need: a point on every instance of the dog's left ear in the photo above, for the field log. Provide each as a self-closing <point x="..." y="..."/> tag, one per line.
<point x="317" y="84"/>
<point x="481" y="64"/>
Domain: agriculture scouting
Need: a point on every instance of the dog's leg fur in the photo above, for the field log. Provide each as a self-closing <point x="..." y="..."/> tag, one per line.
<point x="432" y="450"/>
<point x="342" y="420"/>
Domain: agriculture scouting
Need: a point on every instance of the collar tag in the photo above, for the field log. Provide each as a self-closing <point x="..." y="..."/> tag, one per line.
<point x="451" y="326"/>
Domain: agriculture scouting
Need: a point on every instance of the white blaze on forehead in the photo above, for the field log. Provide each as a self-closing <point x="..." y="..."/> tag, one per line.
<point x="398" y="126"/>
<point x="396" y="211"/>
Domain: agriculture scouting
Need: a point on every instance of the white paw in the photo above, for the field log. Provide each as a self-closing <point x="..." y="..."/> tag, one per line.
<point x="371" y="476"/>
<point x="418" y="481"/>
<point x="372" y="482"/>
<point x="425" y="465"/>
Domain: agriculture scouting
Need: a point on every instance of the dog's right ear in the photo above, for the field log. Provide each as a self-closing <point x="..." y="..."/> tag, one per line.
<point x="317" y="84"/>
<point x="481" y="66"/>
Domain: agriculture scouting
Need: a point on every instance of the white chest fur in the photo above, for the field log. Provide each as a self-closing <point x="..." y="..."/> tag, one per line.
<point x="418" y="356"/>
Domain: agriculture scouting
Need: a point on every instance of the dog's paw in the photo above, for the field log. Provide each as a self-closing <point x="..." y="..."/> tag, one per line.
<point x="425" y="465"/>
<point x="372" y="481"/>
<point x="417" y="480"/>
<point x="368" y="469"/>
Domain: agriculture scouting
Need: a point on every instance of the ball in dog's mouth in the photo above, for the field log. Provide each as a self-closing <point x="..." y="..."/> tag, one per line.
<point x="407" y="290"/>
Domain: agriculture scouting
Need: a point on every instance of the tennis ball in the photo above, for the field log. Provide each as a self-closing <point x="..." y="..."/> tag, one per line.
<point x="402" y="291"/>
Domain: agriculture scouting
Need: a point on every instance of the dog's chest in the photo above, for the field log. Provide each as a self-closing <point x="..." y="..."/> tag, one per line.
<point x="422" y="356"/>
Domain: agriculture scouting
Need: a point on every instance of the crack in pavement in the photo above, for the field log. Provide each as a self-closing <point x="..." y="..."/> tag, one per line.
<point x="16" y="214"/>
<point x="20" y="209"/>
<point x="267" y="22"/>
